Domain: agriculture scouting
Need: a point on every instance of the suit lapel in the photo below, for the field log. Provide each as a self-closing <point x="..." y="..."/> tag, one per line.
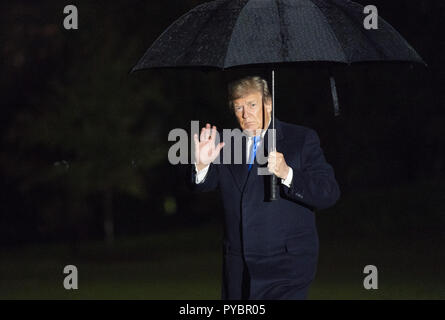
<point x="239" y="171"/>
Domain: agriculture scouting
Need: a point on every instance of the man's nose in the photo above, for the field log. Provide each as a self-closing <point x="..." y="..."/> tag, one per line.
<point x="246" y="113"/>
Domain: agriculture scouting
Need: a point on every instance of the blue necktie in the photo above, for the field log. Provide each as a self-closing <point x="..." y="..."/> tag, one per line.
<point x="253" y="152"/>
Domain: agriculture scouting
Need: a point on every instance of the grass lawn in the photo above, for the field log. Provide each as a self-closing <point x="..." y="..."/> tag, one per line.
<point x="186" y="264"/>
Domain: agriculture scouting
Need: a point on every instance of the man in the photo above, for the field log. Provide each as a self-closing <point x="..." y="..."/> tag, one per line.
<point x="270" y="247"/>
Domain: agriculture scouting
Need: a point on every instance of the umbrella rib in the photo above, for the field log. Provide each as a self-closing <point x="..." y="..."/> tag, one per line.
<point x="362" y="30"/>
<point x="333" y="32"/>
<point x="215" y="11"/>
<point x="283" y="34"/>
<point x="230" y="40"/>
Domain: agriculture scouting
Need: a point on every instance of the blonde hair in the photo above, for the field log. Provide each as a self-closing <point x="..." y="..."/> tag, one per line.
<point x="243" y="86"/>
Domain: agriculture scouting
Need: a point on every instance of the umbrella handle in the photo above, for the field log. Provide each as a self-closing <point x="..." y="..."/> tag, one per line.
<point x="273" y="188"/>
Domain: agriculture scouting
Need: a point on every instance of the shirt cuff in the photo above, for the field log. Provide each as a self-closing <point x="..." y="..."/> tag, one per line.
<point x="200" y="176"/>
<point x="288" y="179"/>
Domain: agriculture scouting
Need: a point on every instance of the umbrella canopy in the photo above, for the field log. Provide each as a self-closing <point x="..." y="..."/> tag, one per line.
<point x="229" y="33"/>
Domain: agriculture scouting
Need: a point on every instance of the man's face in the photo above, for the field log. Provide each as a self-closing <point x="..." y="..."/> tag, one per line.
<point x="249" y="113"/>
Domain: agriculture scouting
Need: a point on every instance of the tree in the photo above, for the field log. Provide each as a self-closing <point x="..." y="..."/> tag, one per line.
<point x="98" y="131"/>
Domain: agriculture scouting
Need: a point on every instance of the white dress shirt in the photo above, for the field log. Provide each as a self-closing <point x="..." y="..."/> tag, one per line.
<point x="200" y="175"/>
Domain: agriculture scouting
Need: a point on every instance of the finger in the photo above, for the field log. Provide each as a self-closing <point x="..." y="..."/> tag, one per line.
<point x="195" y="138"/>
<point x="203" y="131"/>
<point x="207" y="134"/>
<point x="273" y="168"/>
<point x="219" y="147"/>
<point x="213" y="135"/>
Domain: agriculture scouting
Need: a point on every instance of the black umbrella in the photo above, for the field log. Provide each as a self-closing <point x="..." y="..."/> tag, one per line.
<point x="226" y="34"/>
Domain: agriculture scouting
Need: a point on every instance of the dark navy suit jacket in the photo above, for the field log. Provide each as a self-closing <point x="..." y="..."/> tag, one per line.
<point x="270" y="248"/>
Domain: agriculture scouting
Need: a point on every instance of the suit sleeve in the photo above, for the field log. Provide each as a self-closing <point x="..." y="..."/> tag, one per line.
<point x="210" y="182"/>
<point x="314" y="184"/>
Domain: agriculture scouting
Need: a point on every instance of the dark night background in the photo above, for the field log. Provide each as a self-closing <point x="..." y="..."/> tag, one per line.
<point x="85" y="178"/>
